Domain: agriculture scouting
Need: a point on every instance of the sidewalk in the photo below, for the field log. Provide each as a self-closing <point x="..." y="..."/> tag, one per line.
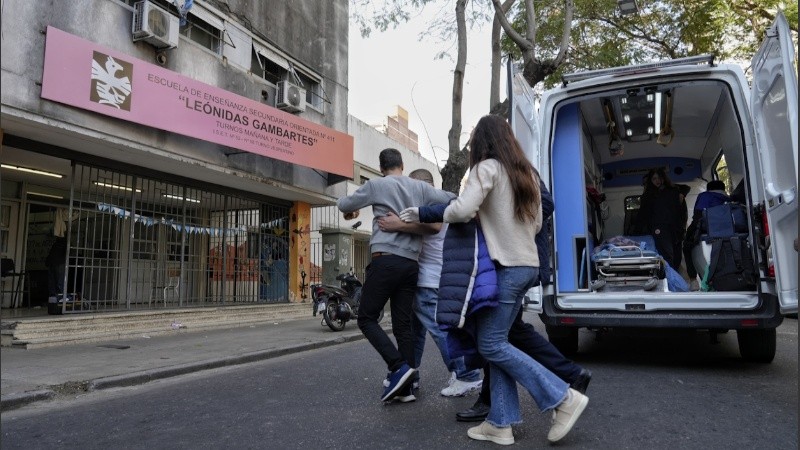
<point x="42" y="374"/>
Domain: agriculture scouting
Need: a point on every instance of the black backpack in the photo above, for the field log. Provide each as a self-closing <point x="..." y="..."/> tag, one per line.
<point x="723" y="221"/>
<point x="731" y="267"/>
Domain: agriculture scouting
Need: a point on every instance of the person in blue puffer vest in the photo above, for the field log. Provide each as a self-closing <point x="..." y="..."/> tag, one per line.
<point x="468" y="283"/>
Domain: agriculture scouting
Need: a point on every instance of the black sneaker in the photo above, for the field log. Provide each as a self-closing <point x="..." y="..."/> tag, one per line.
<point x="477" y="413"/>
<point x="406" y="395"/>
<point x="582" y="382"/>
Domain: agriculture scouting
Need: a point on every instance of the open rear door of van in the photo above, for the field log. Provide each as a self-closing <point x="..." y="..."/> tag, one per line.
<point x="524" y="120"/>
<point x="774" y="111"/>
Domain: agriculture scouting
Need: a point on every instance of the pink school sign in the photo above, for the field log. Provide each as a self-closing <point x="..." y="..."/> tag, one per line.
<point x="85" y="75"/>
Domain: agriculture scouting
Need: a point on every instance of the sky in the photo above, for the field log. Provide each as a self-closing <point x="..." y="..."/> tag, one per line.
<point x="393" y="68"/>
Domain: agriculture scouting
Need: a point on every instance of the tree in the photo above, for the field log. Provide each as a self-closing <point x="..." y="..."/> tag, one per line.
<point x="456" y="164"/>
<point x="571" y="35"/>
<point x="662" y="29"/>
<point x="394" y="12"/>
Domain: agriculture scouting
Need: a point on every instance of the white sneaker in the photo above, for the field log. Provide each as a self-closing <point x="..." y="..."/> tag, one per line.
<point x="488" y="432"/>
<point x="458" y="388"/>
<point x="694" y="285"/>
<point x="566" y="414"/>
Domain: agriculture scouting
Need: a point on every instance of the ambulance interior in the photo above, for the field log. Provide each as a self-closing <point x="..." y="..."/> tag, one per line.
<point x="611" y="140"/>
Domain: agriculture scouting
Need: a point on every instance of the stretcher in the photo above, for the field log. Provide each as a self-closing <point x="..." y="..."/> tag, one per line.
<point x="628" y="261"/>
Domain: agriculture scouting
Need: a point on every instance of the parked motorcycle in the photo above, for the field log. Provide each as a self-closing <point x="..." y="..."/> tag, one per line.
<point x="338" y="304"/>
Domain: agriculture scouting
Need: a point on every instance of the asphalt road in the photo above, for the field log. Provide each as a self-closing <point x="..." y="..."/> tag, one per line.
<point x="648" y="392"/>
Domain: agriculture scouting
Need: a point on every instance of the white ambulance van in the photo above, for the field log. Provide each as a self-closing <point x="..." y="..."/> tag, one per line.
<point x="593" y="139"/>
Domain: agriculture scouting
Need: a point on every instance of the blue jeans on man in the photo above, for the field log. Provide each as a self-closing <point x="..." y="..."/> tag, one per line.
<point x="425" y="309"/>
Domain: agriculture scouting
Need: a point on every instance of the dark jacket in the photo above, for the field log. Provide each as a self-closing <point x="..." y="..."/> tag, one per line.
<point x="543" y="236"/>
<point x="661" y="209"/>
<point x="57" y="254"/>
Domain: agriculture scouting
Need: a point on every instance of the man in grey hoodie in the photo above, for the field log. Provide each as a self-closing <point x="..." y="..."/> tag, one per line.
<point x="392" y="273"/>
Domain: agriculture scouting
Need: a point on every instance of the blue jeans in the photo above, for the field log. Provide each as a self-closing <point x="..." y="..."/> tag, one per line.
<point x="425" y="309"/>
<point x="508" y="364"/>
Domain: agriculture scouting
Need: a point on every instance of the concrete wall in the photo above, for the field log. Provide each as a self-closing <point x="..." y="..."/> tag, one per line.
<point x="369" y="142"/>
<point x="315" y="33"/>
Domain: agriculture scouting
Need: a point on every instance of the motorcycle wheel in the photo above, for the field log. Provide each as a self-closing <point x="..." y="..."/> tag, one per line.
<point x="330" y="313"/>
<point x="357" y="298"/>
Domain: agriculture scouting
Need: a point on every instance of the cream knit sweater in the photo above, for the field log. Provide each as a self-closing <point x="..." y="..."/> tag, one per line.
<point x="489" y="194"/>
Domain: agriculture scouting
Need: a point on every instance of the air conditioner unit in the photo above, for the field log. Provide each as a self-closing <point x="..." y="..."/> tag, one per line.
<point x="291" y="97"/>
<point x="154" y="25"/>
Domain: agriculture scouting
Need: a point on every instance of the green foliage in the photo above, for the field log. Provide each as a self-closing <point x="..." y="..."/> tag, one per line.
<point x="662" y="29"/>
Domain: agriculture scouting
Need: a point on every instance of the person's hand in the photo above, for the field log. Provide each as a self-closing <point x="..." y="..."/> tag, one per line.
<point x="390" y="222"/>
<point x="410" y="214"/>
<point x="350" y="215"/>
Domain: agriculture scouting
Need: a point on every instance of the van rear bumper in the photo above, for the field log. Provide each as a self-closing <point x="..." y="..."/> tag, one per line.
<point x="766" y="315"/>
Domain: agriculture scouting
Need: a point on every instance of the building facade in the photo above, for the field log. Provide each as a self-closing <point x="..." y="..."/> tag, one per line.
<point x="175" y="153"/>
<point x="330" y="233"/>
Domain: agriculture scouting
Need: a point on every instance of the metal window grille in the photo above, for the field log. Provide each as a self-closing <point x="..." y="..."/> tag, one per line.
<point x="140" y="243"/>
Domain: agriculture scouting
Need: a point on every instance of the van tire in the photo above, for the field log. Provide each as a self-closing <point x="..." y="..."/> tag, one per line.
<point x="565" y="339"/>
<point x="757" y="345"/>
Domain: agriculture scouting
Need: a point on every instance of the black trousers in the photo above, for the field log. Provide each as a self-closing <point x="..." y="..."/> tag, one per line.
<point x="395" y="277"/>
<point x="664" y="244"/>
<point x="688" y="244"/>
<point x="523" y="336"/>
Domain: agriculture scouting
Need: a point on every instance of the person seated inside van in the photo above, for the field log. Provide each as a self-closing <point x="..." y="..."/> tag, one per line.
<point x="713" y="196"/>
<point x="660" y="214"/>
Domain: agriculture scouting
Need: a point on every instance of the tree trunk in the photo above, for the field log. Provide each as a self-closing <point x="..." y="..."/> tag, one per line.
<point x="494" y="90"/>
<point x="456" y="165"/>
<point x="534" y="69"/>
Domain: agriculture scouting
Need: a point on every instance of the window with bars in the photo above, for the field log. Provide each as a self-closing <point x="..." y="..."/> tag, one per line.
<point x="139" y="243"/>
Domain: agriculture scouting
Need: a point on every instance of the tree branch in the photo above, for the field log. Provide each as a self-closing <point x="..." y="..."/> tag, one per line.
<point x="494" y="88"/>
<point x="643" y="36"/>
<point x="569" y="9"/>
<point x="524" y="44"/>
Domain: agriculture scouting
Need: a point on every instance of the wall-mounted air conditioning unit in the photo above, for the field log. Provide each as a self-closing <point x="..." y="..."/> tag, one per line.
<point x="154" y="25"/>
<point x="291" y="97"/>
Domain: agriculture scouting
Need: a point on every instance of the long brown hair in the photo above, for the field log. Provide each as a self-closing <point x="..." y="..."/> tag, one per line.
<point x="665" y="181"/>
<point x="493" y="138"/>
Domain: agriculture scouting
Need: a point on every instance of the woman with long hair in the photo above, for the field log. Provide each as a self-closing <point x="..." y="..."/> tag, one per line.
<point x="503" y="191"/>
<point x="662" y="215"/>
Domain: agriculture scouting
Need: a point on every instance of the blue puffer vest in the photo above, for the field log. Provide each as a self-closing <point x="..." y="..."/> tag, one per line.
<point x="468" y="282"/>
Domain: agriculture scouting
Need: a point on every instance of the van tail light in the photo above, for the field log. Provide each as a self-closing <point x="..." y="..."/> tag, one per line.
<point x="767" y="243"/>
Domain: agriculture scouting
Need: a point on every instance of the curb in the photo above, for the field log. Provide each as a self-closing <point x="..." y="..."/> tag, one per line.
<point x="18" y="400"/>
<point x="145" y="376"/>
